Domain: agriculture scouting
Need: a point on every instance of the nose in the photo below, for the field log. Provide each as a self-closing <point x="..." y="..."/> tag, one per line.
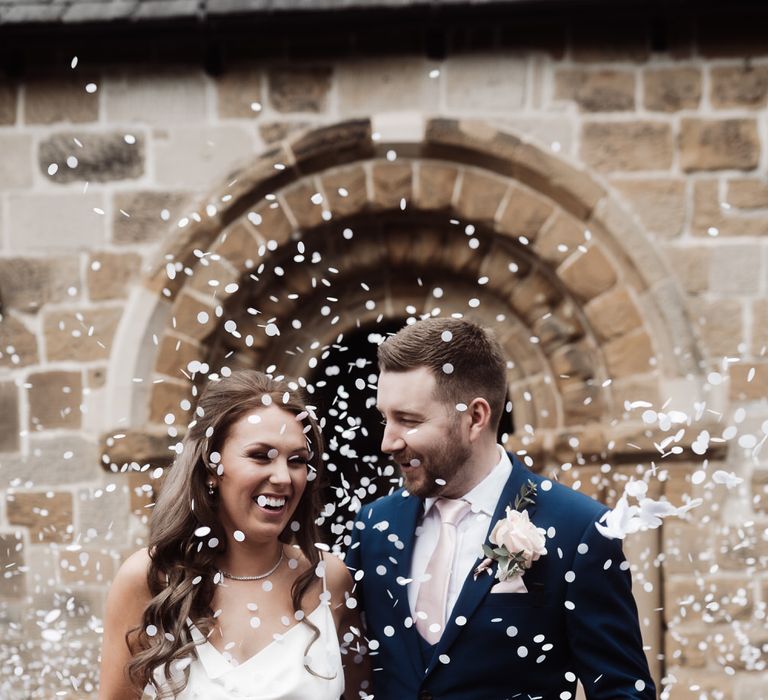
<point x="281" y="473"/>
<point x="392" y="441"/>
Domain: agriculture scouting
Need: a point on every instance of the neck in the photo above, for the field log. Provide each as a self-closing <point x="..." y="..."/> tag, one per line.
<point x="244" y="559"/>
<point x="484" y="458"/>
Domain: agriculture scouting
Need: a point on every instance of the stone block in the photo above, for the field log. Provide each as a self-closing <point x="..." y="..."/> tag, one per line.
<point x="686" y="647"/>
<point x="690" y="264"/>
<point x="747" y="193"/>
<point x="103" y="515"/>
<point x="81" y="336"/>
<point x="61" y="460"/>
<point x="603" y="90"/>
<point x="524" y="213"/>
<point x="60" y="98"/>
<point x="627" y="146"/>
<point x="483" y="82"/>
<point x="629" y="354"/>
<point x="435" y="182"/>
<point x="87" y="566"/>
<point x="240" y="245"/>
<point x="148" y="215"/>
<point x="155" y="96"/>
<point x="212" y="277"/>
<point x="192" y="317"/>
<point x="574" y="363"/>
<point x="345" y="190"/>
<point x="720" y="323"/>
<point x="274" y="225"/>
<point x="9" y="417"/>
<point x="109" y="275"/>
<point x="718" y="144"/>
<point x="559" y="238"/>
<point x="101" y="157"/>
<point x="239" y="92"/>
<point x="54" y="399"/>
<point x="16" y="163"/>
<point x="671" y="89"/>
<point x="200" y="157"/>
<point x="295" y="88"/>
<point x="55" y="222"/>
<point x="8" y="92"/>
<point x="582" y="403"/>
<point x="749" y="380"/>
<point x="166" y="400"/>
<point x="658" y="203"/>
<point x="555" y="133"/>
<point x="613" y="313"/>
<point x="304" y="203"/>
<point x="18" y="345"/>
<point x="386" y="84"/>
<point x="392" y="183"/>
<point x="480" y="196"/>
<point x="273" y="132"/>
<point x="588" y="274"/>
<point x="47" y="514"/>
<point x="328" y="146"/>
<point x="736" y="269"/>
<point x="689" y="546"/>
<point x="174" y="355"/>
<point x="745" y="85"/>
<point x="27" y="284"/>
<point x="13" y="578"/>
<point x="711" y="597"/>
<point x="711" y="217"/>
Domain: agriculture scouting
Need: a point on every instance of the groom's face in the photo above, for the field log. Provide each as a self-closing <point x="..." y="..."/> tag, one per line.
<point x="422" y="435"/>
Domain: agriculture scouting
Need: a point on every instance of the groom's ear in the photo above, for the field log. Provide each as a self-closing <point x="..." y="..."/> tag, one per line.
<point x="479" y="414"/>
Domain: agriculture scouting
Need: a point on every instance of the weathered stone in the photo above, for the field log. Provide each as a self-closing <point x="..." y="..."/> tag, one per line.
<point x="720" y="324"/>
<point x="435" y="183"/>
<point x="28" y="283"/>
<point x="166" y="401"/>
<point x="47" y="514"/>
<point x="100" y="158"/>
<point x="240" y="245"/>
<point x="628" y="390"/>
<point x="18" y="345"/>
<point x="629" y="354"/>
<point x="534" y="295"/>
<point x="588" y="274"/>
<point x="691" y="266"/>
<point x="597" y="91"/>
<point x="60" y="98"/>
<point x="330" y="146"/>
<point x="739" y="86"/>
<point x="305" y="204"/>
<point x="627" y="146"/>
<point x="109" y="275"/>
<point x="87" y="566"/>
<point x="736" y="269"/>
<point x="480" y="196"/>
<point x="274" y="224"/>
<point x="749" y="380"/>
<point x="56" y="461"/>
<point x="558" y="327"/>
<point x="760" y="327"/>
<point x="688" y="545"/>
<point x="345" y="190"/>
<point x="524" y="213"/>
<point x="55" y="222"/>
<point x="747" y="193"/>
<point x="142" y="217"/>
<point x="212" y="278"/>
<point x="149" y="444"/>
<point x="582" y="403"/>
<point x="13" y="579"/>
<point x="682" y="592"/>
<point x="573" y="363"/>
<point x="485" y="81"/>
<point x="199" y="157"/>
<point x="239" y="92"/>
<point x="16" y="163"/>
<point x="709" y="144"/>
<point x="659" y="203"/>
<point x="272" y="132"/>
<point x="9" y="417"/>
<point x="711" y="217"/>
<point x="83" y="335"/>
<point x="613" y="313"/>
<point x="392" y="183"/>
<point x="559" y="238"/>
<point x="7" y="103"/>
<point x="386" y="84"/>
<point x="299" y="88"/>
<point x="671" y="89"/>
<point x="155" y="96"/>
<point x="104" y="511"/>
<point x="54" y="399"/>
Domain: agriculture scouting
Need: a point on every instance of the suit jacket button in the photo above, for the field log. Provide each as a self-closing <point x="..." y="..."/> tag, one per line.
<point x="425" y="695"/>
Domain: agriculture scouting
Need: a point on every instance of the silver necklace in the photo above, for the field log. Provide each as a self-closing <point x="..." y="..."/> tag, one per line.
<point x="258" y="577"/>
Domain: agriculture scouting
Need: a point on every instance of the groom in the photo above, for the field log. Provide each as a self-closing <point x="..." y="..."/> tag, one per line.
<point x="546" y="602"/>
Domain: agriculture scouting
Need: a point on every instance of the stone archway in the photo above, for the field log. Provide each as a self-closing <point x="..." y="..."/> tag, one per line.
<point x="343" y="226"/>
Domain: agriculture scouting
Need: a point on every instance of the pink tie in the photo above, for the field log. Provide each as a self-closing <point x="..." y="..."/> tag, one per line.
<point x="433" y="593"/>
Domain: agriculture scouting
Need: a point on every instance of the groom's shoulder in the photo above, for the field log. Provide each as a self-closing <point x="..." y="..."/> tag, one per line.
<point x="386" y="503"/>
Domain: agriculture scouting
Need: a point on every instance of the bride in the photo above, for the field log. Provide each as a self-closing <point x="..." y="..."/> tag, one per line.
<point x="231" y="598"/>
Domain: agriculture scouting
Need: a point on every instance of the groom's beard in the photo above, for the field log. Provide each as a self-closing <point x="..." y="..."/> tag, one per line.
<point x="438" y="466"/>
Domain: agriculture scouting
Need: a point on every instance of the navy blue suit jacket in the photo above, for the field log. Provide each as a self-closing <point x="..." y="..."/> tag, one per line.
<point x="505" y="645"/>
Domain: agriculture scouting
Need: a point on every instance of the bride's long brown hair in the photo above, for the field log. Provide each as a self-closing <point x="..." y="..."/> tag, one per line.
<point x="181" y="571"/>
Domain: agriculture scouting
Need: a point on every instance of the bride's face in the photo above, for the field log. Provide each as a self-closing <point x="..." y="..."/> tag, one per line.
<point x="265" y="461"/>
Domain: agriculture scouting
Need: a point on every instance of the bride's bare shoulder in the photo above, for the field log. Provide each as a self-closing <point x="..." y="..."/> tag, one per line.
<point x="131" y="578"/>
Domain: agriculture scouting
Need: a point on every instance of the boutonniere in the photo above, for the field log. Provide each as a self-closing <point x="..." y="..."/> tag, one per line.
<point x="517" y="541"/>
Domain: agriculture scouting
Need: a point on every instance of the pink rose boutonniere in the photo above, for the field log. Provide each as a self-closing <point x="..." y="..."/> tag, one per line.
<point x="517" y="541"/>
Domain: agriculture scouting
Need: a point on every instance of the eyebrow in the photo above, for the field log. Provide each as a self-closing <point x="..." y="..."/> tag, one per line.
<point x="267" y="446"/>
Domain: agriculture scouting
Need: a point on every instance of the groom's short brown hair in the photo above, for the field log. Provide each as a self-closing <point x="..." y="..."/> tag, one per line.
<point x="469" y="364"/>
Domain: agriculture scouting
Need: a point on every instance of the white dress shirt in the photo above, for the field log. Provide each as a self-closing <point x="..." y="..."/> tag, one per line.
<point x="470" y="533"/>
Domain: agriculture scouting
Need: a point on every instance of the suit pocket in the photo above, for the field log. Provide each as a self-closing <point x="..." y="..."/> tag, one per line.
<point x="531" y="599"/>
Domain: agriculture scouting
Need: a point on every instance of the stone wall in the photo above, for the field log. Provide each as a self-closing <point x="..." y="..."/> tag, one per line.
<point x="107" y="170"/>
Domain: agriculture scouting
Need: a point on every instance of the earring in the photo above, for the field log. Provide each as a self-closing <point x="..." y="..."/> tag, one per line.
<point x="211" y="488"/>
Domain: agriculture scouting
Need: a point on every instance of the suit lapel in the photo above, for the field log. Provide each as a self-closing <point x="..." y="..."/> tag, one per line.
<point x="474" y="590"/>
